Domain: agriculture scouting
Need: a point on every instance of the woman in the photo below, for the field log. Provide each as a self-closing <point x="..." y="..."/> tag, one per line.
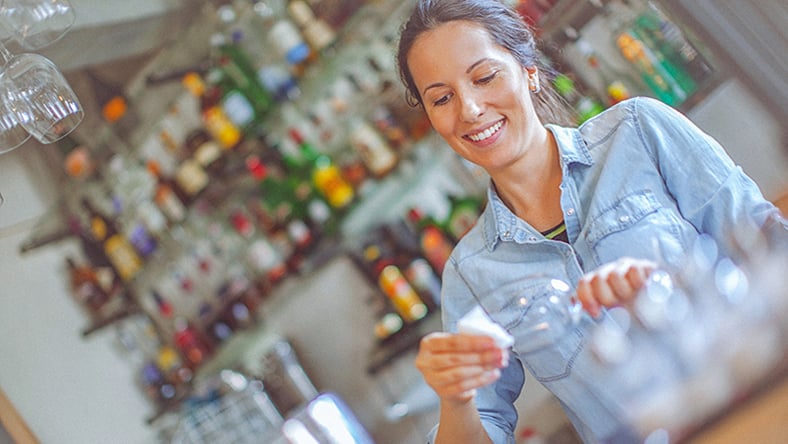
<point x="630" y="188"/>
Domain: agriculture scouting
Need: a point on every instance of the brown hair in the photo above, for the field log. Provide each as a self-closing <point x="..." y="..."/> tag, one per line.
<point x="507" y="29"/>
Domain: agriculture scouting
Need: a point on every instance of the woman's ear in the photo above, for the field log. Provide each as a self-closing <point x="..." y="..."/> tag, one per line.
<point x="533" y="79"/>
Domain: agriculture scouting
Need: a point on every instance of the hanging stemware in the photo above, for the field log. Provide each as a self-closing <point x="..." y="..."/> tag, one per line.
<point x="40" y="96"/>
<point x="35" y="24"/>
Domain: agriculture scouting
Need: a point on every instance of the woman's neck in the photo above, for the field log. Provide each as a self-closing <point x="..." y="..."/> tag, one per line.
<point x="530" y="187"/>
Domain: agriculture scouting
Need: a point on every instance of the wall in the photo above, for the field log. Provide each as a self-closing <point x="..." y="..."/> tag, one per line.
<point x="752" y="136"/>
<point x="68" y="389"/>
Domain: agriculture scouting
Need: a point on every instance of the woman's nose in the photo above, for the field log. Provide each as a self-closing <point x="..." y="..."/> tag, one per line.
<point x="472" y="107"/>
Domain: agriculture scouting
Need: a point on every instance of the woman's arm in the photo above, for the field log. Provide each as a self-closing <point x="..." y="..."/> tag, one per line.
<point x="455" y="366"/>
<point x="711" y="191"/>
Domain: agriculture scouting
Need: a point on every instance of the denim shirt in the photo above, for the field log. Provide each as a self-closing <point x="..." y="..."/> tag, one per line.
<point x="639" y="180"/>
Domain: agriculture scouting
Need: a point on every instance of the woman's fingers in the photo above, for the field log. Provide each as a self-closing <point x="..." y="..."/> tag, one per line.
<point x="455" y="365"/>
<point x="613" y="284"/>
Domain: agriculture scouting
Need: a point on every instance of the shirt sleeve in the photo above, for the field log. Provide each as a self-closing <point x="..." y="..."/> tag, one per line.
<point x="711" y="191"/>
<point x="495" y="402"/>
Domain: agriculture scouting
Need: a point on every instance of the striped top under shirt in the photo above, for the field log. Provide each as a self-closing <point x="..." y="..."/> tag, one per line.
<point x="557" y="233"/>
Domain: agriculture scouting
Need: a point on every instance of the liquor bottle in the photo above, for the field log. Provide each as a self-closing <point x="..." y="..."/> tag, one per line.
<point x="190" y="343"/>
<point x="378" y="156"/>
<point x="696" y="64"/>
<point x="207" y="151"/>
<point x="261" y="256"/>
<point x="390" y="279"/>
<point x="387" y="326"/>
<point x="250" y="33"/>
<point x="78" y="162"/>
<point x="240" y="77"/>
<point x="656" y="71"/>
<point x="290" y="44"/>
<point x="167" y="196"/>
<point x="434" y="242"/>
<point x="584" y="106"/>
<point x="214" y="118"/>
<point x="192" y="179"/>
<point x="402" y="245"/>
<point x="114" y="103"/>
<point x="118" y="249"/>
<point x="672" y="41"/>
<point x="325" y="174"/>
<point x="85" y="286"/>
<point x="317" y="33"/>
<point x="163" y="307"/>
<point x="463" y="215"/>
<point x="611" y="85"/>
<point x="286" y="203"/>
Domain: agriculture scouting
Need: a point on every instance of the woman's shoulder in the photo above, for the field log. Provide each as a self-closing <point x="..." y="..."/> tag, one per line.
<point x="642" y="112"/>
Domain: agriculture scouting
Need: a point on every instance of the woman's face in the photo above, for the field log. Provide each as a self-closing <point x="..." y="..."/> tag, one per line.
<point x="475" y="93"/>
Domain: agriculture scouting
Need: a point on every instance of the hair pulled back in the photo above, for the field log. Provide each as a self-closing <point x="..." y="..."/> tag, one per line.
<point x="507" y="29"/>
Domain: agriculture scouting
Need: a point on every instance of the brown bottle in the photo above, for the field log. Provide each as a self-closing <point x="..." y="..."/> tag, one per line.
<point x="85" y="286"/>
<point x="118" y="249"/>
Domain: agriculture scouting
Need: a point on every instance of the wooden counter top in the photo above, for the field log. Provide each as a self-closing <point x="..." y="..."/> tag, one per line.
<point x="762" y="419"/>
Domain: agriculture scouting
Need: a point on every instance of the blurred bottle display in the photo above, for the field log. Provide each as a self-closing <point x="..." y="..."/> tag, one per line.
<point x="434" y="242"/>
<point x="669" y="38"/>
<point x="167" y="196"/>
<point x="376" y="153"/>
<point x="239" y="78"/>
<point x="222" y="191"/>
<point x="249" y="32"/>
<point x="640" y="40"/>
<point x="326" y="176"/>
<point x="78" y="162"/>
<point x="611" y="85"/>
<point x="390" y="279"/>
<point x="86" y="287"/>
<point x="464" y="213"/>
<point x="215" y="119"/>
<point x="115" y="107"/>
<point x="315" y="30"/>
<point x="584" y="106"/>
<point x="117" y="248"/>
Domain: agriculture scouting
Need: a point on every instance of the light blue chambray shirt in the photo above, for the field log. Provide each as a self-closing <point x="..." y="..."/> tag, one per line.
<point x="639" y="180"/>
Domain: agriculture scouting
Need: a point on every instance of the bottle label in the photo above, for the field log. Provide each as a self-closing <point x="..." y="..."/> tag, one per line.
<point x="238" y="109"/>
<point x="123" y="257"/>
<point x="404" y="298"/>
<point x="191" y="177"/>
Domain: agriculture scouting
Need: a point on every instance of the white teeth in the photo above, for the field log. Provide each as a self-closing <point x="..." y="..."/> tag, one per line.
<point x="478" y="137"/>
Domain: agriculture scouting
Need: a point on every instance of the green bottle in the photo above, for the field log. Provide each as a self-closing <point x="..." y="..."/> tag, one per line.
<point x="240" y="78"/>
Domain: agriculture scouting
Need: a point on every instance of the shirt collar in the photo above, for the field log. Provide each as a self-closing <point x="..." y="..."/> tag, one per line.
<point x="571" y="145"/>
<point x="499" y="223"/>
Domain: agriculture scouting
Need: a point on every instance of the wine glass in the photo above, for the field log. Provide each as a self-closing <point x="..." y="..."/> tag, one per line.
<point x="44" y="102"/>
<point x="538" y="310"/>
<point x="35" y="24"/>
<point x="12" y="133"/>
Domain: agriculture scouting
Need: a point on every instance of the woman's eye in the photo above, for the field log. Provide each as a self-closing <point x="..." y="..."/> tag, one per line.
<point x="487" y="79"/>
<point x="441" y="100"/>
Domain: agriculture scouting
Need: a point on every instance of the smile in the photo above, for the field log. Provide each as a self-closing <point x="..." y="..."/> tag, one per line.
<point x="486" y="134"/>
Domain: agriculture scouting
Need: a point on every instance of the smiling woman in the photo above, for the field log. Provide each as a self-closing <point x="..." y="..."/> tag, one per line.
<point x="632" y="189"/>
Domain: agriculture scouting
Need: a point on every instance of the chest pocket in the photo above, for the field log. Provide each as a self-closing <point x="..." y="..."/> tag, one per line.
<point x="536" y="312"/>
<point x="636" y="225"/>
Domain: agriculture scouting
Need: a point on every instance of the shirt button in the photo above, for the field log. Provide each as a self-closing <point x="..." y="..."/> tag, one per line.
<point x="570" y="211"/>
<point x="532" y="239"/>
<point x="623" y="219"/>
<point x="507" y="234"/>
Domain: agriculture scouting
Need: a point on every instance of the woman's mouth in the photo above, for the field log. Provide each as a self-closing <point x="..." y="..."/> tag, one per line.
<point x="487" y="133"/>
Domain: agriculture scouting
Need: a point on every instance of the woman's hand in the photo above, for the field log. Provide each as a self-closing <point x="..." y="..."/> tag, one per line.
<point x="455" y="365"/>
<point x="612" y="284"/>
